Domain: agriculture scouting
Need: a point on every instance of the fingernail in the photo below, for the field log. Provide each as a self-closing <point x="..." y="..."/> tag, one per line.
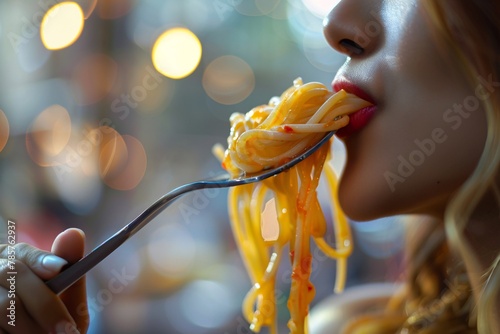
<point x="66" y="327"/>
<point x="53" y="263"/>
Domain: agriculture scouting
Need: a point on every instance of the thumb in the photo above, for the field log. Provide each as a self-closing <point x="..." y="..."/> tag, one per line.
<point x="44" y="264"/>
<point x="69" y="245"/>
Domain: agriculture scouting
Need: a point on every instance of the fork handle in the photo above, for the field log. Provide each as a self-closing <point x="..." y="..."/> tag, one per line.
<point x="72" y="273"/>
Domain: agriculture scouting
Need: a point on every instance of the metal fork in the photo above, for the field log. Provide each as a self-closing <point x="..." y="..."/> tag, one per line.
<point x="73" y="272"/>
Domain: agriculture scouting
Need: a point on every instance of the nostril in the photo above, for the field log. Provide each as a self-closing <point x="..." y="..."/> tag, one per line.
<point x="351" y="47"/>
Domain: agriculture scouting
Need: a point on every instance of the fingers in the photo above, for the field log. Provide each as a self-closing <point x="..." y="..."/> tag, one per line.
<point x="44" y="264"/>
<point x="70" y="245"/>
<point x="37" y="303"/>
<point x="36" y="309"/>
<point x="17" y="318"/>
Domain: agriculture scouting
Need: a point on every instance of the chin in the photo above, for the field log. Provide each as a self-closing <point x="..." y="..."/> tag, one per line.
<point x="365" y="201"/>
<point x="356" y="207"/>
<point x="359" y="214"/>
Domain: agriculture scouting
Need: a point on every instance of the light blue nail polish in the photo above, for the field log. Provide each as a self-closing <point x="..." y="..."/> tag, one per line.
<point x="66" y="327"/>
<point x="53" y="263"/>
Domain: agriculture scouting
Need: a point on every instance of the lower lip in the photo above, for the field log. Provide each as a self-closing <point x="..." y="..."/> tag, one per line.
<point x="357" y="121"/>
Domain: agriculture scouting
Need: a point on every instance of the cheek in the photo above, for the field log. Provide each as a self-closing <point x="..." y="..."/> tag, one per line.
<point x="401" y="167"/>
<point x="427" y="138"/>
<point x="363" y="191"/>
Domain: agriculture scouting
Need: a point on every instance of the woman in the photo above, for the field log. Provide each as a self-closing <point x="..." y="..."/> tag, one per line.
<point x="430" y="148"/>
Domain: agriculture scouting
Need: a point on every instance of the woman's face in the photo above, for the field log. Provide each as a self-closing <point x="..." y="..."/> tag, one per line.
<point x="428" y="128"/>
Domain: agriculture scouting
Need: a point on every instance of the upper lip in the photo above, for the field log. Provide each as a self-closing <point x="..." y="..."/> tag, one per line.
<point x="352" y="88"/>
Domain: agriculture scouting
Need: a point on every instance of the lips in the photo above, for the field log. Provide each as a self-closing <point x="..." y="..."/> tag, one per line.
<point x="360" y="118"/>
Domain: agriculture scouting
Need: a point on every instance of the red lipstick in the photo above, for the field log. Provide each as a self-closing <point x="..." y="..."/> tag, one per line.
<point x="360" y="118"/>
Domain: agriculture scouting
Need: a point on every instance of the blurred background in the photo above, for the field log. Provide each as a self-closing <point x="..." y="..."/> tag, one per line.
<point x="105" y="105"/>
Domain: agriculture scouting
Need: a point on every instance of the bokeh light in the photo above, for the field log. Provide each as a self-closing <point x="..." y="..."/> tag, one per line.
<point x="62" y="25"/>
<point x="122" y="161"/>
<point x="320" y="54"/>
<point x="87" y="6"/>
<point x="94" y="78"/>
<point x="4" y="130"/>
<point x="128" y="315"/>
<point x="177" y="53"/>
<point x="48" y="136"/>
<point x="207" y="304"/>
<point x="164" y="254"/>
<point x="381" y="238"/>
<point x="228" y="80"/>
<point x="280" y="11"/>
<point x="320" y="8"/>
<point x="305" y="19"/>
<point x="303" y="22"/>
<point x="113" y="154"/>
<point x="66" y="179"/>
<point x="60" y="168"/>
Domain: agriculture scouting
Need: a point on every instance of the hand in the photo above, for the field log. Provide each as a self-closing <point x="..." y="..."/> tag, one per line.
<point x="37" y="308"/>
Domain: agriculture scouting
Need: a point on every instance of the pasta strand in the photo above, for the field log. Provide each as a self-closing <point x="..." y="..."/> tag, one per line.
<point x="266" y="137"/>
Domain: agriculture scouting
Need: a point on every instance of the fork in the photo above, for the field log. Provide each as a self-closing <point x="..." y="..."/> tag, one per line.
<point x="72" y="273"/>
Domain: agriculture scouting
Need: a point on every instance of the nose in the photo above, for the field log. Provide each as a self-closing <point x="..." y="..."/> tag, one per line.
<point x="354" y="28"/>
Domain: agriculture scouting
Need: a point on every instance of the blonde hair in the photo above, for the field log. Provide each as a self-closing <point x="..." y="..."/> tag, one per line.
<point x="439" y="297"/>
<point x="472" y="29"/>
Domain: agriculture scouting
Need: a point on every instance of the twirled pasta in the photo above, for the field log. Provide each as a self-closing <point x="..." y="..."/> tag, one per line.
<point x="265" y="137"/>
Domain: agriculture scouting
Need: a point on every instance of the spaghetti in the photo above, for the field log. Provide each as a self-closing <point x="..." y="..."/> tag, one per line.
<point x="266" y="137"/>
